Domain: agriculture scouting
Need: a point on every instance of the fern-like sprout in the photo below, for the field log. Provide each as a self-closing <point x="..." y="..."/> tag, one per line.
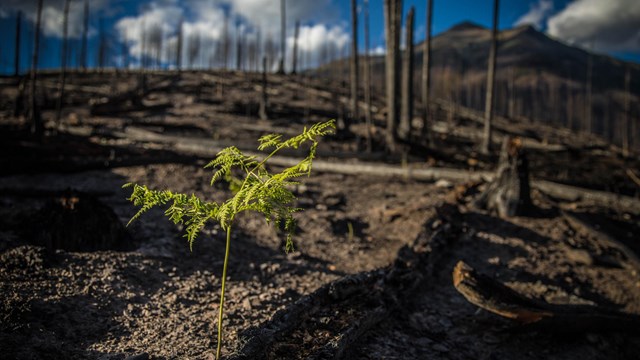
<point x="259" y="190"/>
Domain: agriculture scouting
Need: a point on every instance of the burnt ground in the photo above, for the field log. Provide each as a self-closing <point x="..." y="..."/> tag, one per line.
<point x="151" y="296"/>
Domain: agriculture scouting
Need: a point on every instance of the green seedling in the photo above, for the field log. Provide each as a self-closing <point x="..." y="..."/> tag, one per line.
<point x="258" y="190"/>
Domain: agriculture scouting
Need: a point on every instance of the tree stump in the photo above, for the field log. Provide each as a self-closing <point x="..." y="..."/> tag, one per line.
<point x="509" y="194"/>
<point x="76" y="221"/>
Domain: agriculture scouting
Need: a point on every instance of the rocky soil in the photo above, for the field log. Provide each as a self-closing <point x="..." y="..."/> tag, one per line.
<point x="153" y="298"/>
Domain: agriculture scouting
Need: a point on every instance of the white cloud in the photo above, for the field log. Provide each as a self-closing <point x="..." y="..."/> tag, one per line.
<point x="53" y="13"/>
<point x="379" y="50"/>
<point x="610" y="25"/>
<point x="204" y="20"/>
<point x="266" y="13"/>
<point x="132" y="29"/>
<point x="538" y="12"/>
<point x="314" y="37"/>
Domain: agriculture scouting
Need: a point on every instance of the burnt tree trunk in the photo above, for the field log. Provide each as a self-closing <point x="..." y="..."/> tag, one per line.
<point x="512" y="94"/>
<point x="426" y="72"/>
<point x="36" y="122"/>
<point x="367" y="76"/>
<point x="404" y="130"/>
<point x="85" y="32"/>
<point x="354" y="61"/>
<point x="16" y="59"/>
<point x="238" y="46"/>
<point x="295" y="48"/>
<point x="283" y="43"/>
<point x="393" y="19"/>
<point x="179" y="46"/>
<point x="488" y="107"/>
<point x="509" y="194"/>
<point x="627" y="110"/>
<point x="263" y="99"/>
<point x="225" y="43"/>
<point x="588" y="108"/>
<point x="63" y="60"/>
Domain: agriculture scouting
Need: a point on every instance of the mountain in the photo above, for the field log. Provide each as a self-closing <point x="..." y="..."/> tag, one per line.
<point x="538" y="78"/>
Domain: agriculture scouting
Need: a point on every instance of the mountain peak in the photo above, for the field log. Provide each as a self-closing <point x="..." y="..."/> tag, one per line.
<point x="467" y="25"/>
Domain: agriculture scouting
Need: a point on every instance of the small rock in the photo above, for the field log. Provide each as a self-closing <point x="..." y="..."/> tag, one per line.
<point x="579" y="256"/>
<point x="255" y="303"/>
<point x="445" y="184"/>
<point x="143" y="356"/>
<point x="446" y="323"/>
<point x="246" y="304"/>
<point x="441" y="348"/>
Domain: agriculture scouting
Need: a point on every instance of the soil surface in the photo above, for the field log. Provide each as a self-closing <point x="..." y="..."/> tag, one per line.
<point x="154" y="298"/>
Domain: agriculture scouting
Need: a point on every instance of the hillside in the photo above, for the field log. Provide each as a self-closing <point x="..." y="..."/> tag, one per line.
<point x="538" y="78"/>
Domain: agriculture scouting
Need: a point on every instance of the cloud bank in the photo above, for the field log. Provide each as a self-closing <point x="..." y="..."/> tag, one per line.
<point x="204" y="22"/>
<point x="609" y="25"/>
<point x="537" y="14"/>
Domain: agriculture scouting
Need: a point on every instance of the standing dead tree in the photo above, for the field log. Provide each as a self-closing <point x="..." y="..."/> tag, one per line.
<point x="588" y="108"/>
<point x="263" y="99"/>
<point x="393" y="21"/>
<point x="404" y="129"/>
<point x="367" y="76"/>
<point x="85" y="34"/>
<point x="426" y="71"/>
<point x="295" y="48"/>
<point x="102" y="47"/>
<point x="63" y="59"/>
<point x="155" y="44"/>
<point x="193" y="48"/>
<point x="36" y="122"/>
<point x="16" y="59"/>
<point x="354" y="61"/>
<point x="238" y="45"/>
<point x="179" y="45"/>
<point x="511" y="93"/>
<point x="283" y="32"/>
<point x="226" y="42"/>
<point x="270" y="50"/>
<point x="626" y="130"/>
<point x="491" y="75"/>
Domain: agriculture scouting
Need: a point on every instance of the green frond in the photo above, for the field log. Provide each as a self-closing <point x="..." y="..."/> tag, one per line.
<point x="147" y="199"/>
<point x="261" y="191"/>
<point x="269" y="141"/>
<point x="228" y="158"/>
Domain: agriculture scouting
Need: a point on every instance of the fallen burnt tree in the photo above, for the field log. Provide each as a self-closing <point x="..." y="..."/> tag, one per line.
<point x="491" y="295"/>
<point x="327" y="323"/>
<point x="575" y="220"/>
<point x="209" y="148"/>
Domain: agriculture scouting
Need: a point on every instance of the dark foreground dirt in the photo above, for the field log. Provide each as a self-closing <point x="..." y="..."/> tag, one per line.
<point x="156" y="299"/>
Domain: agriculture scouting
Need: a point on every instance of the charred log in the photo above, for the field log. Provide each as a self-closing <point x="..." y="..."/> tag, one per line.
<point x="493" y="296"/>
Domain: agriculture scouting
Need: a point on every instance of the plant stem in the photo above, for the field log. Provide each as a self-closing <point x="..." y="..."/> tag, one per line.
<point x="224" y="281"/>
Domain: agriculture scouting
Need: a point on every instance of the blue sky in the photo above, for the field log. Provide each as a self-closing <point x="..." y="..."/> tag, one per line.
<point x="608" y="26"/>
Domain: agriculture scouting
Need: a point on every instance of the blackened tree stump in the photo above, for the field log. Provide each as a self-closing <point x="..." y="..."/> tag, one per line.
<point x="75" y="221"/>
<point x="509" y="194"/>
